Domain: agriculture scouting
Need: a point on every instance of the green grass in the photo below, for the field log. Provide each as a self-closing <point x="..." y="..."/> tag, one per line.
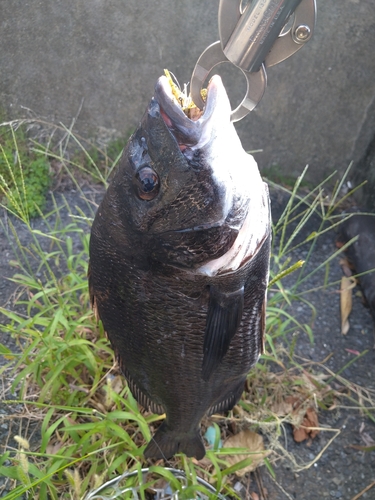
<point x="28" y="168"/>
<point x="66" y="377"/>
<point x="276" y="175"/>
<point x="24" y="174"/>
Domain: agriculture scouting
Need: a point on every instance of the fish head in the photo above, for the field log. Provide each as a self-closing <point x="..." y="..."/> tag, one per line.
<point x="185" y="183"/>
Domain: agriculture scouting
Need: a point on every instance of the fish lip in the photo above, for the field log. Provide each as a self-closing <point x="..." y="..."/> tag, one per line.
<point x="188" y="132"/>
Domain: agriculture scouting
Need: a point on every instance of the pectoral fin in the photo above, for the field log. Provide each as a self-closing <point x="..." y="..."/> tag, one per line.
<point x="223" y="317"/>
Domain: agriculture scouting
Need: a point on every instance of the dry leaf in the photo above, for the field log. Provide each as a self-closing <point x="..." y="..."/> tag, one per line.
<point x="282" y="408"/>
<point x="346" y="267"/>
<point x="299" y="434"/>
<point x="287" y="406"/>
<point x="353" y="351"/>
<point x="347" y="284"/>
<point x="204" y="462"/>
<point x="367" y="439"/>
<point x="254" y="443"/>
<point x="117" y="384"/>
<point x="303" y="432"/>
<point x="53" y="448"/>
<point x="70" y="420"/>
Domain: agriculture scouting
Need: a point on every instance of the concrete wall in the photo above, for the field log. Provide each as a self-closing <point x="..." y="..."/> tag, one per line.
<point x="318" y="107"/>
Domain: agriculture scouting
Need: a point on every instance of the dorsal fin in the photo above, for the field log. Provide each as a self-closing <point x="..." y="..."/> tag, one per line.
<point x="223" y="317"/>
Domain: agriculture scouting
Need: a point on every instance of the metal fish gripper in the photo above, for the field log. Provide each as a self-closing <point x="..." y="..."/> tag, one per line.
<point x="253" y="39"/>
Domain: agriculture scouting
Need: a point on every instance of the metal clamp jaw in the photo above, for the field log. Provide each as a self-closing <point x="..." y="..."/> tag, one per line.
<point x="251" y="40"/>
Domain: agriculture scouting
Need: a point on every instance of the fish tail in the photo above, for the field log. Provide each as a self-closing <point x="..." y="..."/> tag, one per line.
<point x="166" y="443"/>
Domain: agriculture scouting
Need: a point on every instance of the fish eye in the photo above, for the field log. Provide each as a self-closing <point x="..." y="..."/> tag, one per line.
<point x="147" y="183"/>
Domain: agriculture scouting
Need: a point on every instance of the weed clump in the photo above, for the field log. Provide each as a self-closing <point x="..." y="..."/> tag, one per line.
<point x="24" y="173"/>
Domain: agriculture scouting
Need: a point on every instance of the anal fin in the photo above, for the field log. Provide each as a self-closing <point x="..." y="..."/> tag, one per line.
<point x="223" y="317"/>
<point x="141" y="396"/>
<point x="229" y="400"/>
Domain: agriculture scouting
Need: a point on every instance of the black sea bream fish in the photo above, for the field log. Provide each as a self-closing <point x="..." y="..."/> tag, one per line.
<point x="179" y="260"/>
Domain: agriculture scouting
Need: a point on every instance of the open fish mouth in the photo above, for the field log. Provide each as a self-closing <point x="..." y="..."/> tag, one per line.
<point x="192" y="132"/>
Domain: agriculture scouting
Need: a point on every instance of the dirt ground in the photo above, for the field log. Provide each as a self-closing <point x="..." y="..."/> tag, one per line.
<point x="342" y="471"/>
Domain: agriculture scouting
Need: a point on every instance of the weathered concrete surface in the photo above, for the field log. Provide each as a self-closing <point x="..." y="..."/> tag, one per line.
<point x="109" y="53"/>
